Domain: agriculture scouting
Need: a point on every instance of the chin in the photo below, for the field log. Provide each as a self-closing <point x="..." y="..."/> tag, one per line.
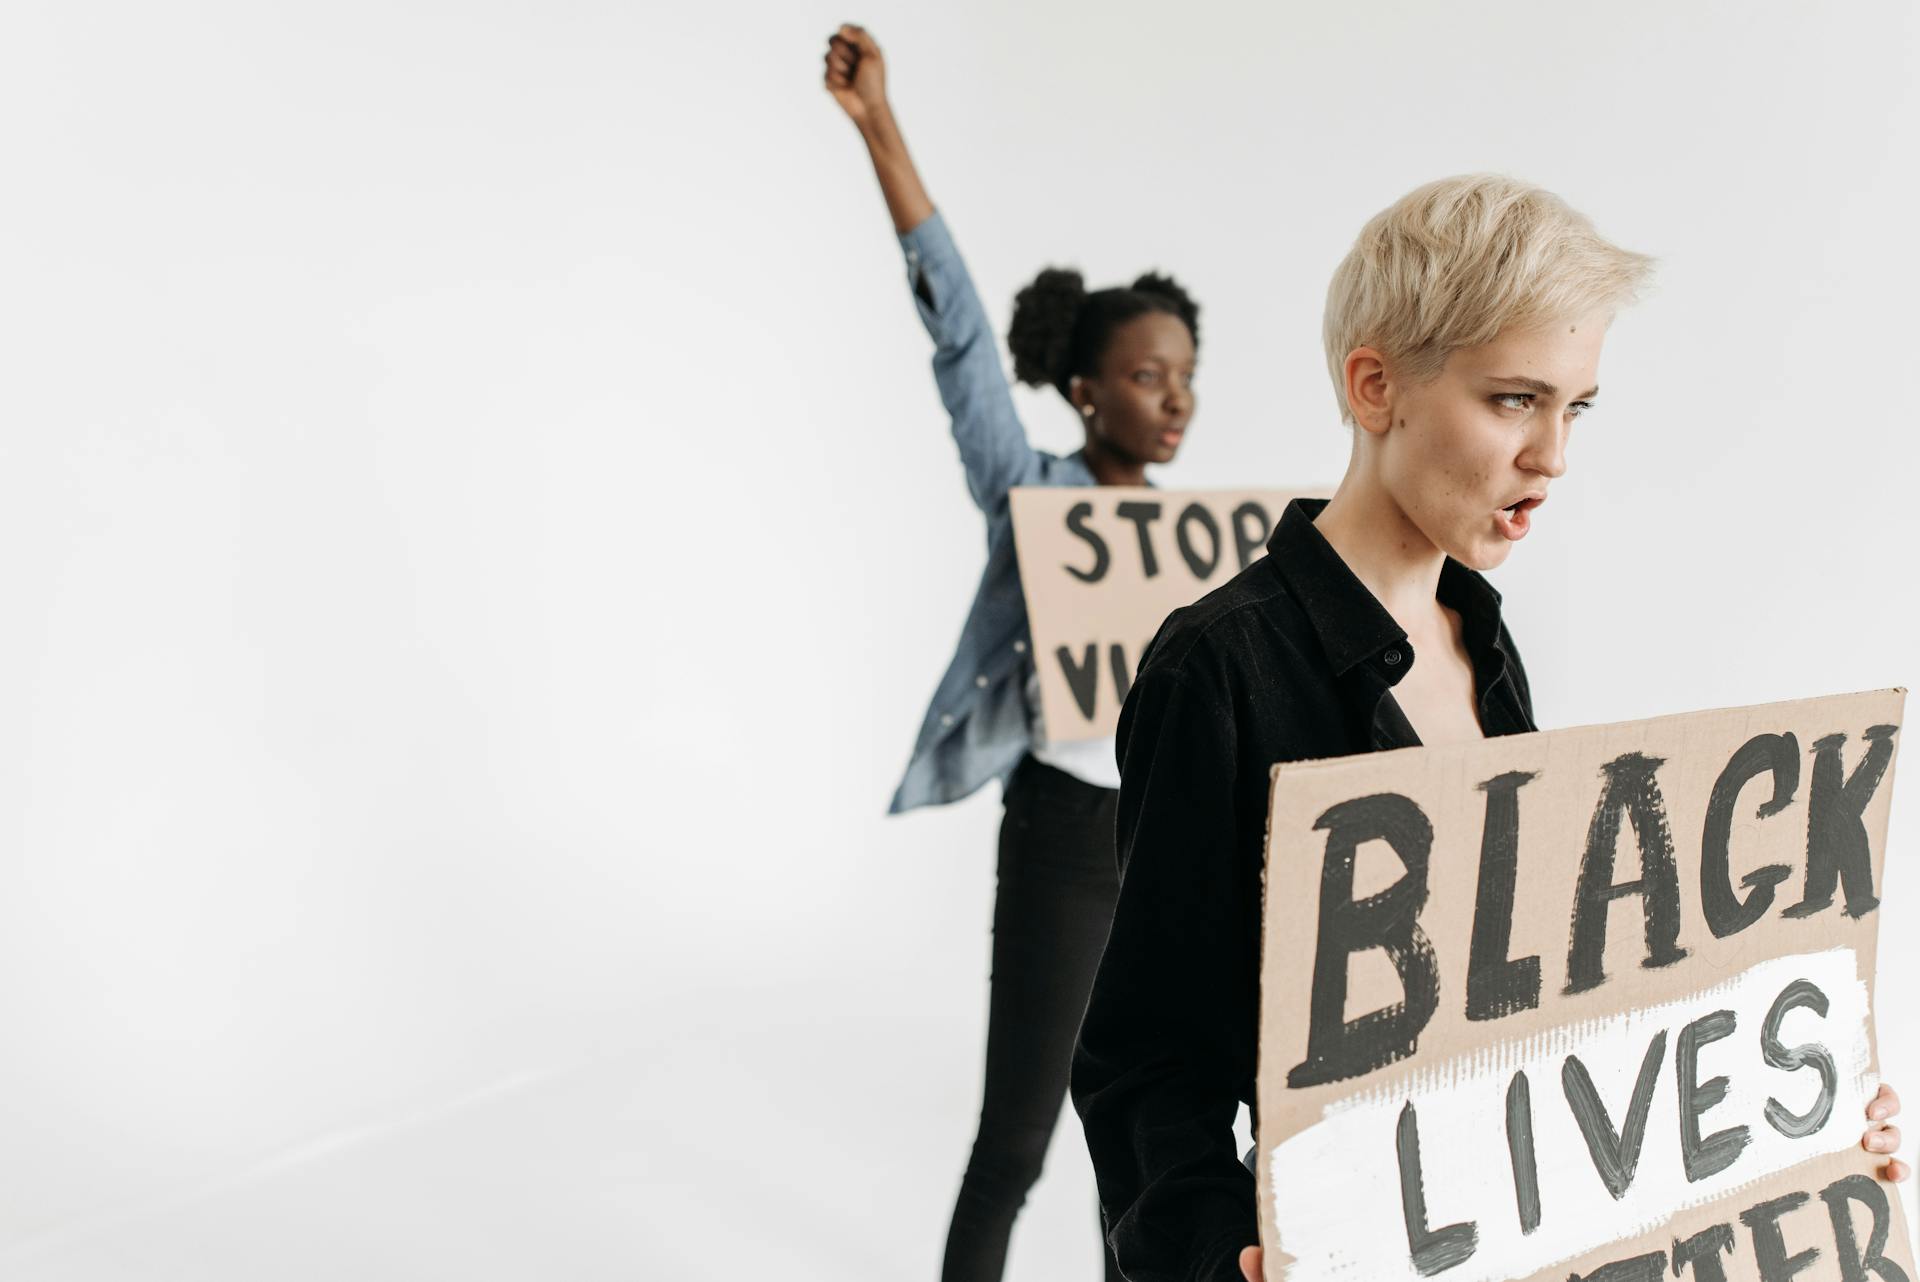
<point x="1477" y="550"/>
<point x="1482" y="554"/>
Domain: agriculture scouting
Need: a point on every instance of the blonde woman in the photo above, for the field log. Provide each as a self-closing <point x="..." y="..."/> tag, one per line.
<point x="1463" y="336"/>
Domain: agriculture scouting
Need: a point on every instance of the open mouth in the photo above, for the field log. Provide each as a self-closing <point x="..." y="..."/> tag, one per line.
<point x="1514" y="520"/>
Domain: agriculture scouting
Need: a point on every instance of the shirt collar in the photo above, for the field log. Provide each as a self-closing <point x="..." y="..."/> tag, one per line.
<point x="1079" y="457"/>
<point x="1352" y="625"/>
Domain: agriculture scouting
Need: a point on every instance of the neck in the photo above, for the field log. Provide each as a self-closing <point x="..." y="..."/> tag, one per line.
<point x="1385" y="551"/>
<point x="1111" y="468"/>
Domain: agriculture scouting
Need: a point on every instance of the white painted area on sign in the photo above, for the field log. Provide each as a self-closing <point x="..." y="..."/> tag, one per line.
<point x="1337" y="1184"/>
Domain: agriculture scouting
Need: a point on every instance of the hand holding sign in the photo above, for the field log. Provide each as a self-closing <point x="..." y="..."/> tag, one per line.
<point x="1884" y="1138"/>
<point x="1878" y="1138"/>
<point x="1519" y="947"/>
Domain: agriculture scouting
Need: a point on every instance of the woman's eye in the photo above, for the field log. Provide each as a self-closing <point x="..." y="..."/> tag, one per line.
<point x="1514" y="400"/>
<point x="1146" y="376"/>
<point x="1578" y="408"/>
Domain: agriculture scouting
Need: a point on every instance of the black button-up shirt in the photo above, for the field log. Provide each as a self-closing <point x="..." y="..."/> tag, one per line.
<point x="1293" y="659"/>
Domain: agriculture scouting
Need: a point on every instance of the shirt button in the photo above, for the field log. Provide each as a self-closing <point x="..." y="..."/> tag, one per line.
<point x="1392" y="657"/>
<point x="946" y="718"/>
<point x="1019" y="647"/>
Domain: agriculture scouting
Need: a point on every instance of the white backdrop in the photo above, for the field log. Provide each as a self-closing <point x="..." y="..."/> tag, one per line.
<point x="480" y="533"/>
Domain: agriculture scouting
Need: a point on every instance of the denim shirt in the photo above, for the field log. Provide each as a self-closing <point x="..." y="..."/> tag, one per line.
<point x="976" y="728"/>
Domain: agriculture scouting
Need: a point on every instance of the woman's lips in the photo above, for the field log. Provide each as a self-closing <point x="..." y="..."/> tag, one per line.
<point x="1514" y="521"/>
<point x="1171" y="437"/>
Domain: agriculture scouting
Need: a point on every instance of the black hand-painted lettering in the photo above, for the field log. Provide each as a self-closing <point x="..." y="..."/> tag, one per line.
<point x="1615" y="1154"/>
<point x="1122" y="670"/>
<point x="1639" y="1268"/>
<point x="1389" y="920"/>
<point x="1770" y="1245"/>
<point x="1142" y="512"/>
<point x="1083" y="678"/>
<point x="1837" y="848"/>
<point x="1197" y="514"/>
<point x="1709" y="1156"/>
<point x="1432" y="1250"/>
<point x="1702" y="1253"/>
<point x="1496" y="984"/>
<point x="1855" y="1263"/>
<point x="1727" y="913"/>
<point x="1630" y="790"/>
<point x="1247" y="541"/>
<point x="1800" y="992"/>
<point x="1526" y="1169"/>
<point x="1077" y="523"/>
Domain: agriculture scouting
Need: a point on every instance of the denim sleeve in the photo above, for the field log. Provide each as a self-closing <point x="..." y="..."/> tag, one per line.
<point x="966" y="366"/>
<point x="1170" y="1029"/>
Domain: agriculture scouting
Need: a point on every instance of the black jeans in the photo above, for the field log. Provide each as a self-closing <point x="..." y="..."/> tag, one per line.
<point x="1058" y="882"/>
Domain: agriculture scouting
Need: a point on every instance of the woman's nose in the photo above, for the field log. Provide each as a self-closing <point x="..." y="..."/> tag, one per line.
<point x="1547" y="451"/>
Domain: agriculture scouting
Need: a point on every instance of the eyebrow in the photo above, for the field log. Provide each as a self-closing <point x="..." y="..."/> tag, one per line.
<point x="1542" y="387"/>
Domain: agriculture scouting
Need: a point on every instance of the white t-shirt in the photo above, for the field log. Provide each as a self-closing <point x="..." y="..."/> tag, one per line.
<point x="1088" y="760"/>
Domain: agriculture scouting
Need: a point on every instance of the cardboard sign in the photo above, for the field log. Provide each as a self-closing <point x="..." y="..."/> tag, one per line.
<point x="1595" y="1004"/>
<point x="1103" y="566"/>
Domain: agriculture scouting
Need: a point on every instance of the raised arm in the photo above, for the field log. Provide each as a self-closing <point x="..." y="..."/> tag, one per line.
<point x="857" y="79"/>
<point x="966" y="359"/>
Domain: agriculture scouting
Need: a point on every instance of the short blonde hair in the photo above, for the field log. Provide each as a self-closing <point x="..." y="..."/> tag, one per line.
<point x="1452" y="264"/>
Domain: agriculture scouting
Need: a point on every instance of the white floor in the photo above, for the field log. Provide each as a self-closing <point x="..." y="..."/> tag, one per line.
<point x="767" y="1133"/>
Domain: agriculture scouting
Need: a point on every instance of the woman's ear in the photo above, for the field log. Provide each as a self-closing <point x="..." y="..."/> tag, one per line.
<point x="1369" y="390"/>
<point x="1080" y="396"/>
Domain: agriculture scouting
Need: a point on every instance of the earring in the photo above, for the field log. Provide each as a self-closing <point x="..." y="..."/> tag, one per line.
<point x="1086" y="411"/>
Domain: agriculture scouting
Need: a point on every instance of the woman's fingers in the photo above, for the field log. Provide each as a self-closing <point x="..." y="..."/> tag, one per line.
<point x="1882" y="1137"/>
<point x="861" y="40"/>
<point x="839" y="61"/>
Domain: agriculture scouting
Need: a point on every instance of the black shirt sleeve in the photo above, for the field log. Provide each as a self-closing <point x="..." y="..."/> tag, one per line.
<point x="1168" y="1043"/>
